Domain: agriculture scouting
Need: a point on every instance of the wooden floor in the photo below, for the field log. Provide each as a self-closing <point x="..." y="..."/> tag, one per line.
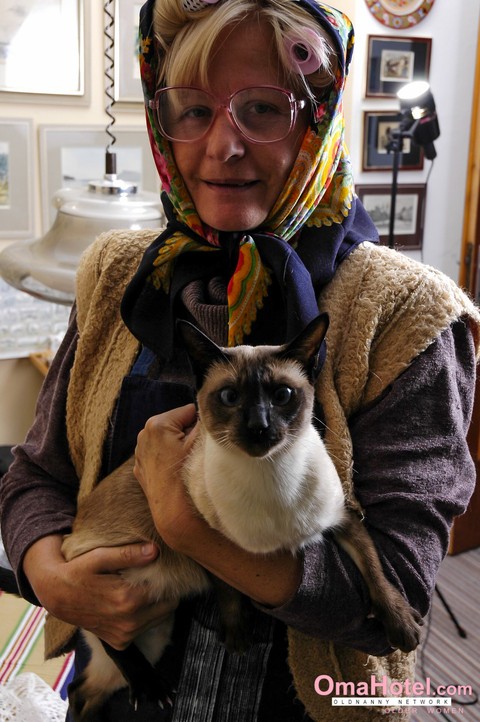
<point x="445" y="657"/>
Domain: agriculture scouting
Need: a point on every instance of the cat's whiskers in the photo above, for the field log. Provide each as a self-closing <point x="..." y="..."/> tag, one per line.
<point x="333" y="433"/>
<point x="331" y="454"/>
<point x="287" y="443"/>
<point x="224" y="440"/>
<point x="233" y="366"/>
<point x="320" y="422"/>
<point x="325" y="426"/>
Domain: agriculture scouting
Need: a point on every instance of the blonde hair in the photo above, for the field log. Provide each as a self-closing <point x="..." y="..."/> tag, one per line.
<point x="187" y="39"/>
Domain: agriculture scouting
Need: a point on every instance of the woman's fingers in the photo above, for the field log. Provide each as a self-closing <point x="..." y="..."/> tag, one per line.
<point x="90" y="591"/>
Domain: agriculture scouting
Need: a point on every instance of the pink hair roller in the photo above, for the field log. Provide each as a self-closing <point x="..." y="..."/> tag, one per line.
<point x="304" y="52"/>
<point x="193" y="5"/>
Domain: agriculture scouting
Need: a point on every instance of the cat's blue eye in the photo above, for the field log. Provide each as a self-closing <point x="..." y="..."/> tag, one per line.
<point x="228" y="396"/>
<point x="282" y="395"/>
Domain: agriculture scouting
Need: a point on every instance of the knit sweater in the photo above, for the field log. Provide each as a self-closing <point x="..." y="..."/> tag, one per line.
<point x="384" y="310"/>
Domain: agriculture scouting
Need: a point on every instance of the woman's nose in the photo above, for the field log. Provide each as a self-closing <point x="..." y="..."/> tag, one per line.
<point x="224" y="140"/>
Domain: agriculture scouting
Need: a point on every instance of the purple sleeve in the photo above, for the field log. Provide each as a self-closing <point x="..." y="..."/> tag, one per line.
<point x="38" y="493"/>
<point x="413" y="475"/>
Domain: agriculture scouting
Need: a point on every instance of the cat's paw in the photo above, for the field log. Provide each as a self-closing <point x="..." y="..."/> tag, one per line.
<point x="403" y="625"/>
<point x="160" y="694"/>
<point x="236" y="632"/>
<point x="407" y="636"/>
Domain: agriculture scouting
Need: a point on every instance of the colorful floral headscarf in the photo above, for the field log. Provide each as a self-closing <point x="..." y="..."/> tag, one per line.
<point x="318" y="196"/>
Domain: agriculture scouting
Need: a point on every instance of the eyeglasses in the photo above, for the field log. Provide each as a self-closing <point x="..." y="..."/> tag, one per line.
<point x="263" y="114"/>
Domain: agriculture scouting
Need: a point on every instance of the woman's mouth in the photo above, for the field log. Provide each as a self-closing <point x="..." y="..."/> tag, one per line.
<point x="227" y="184"/>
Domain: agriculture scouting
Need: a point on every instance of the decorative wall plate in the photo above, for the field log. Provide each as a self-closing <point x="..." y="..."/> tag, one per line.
<point x="399" y="14"/>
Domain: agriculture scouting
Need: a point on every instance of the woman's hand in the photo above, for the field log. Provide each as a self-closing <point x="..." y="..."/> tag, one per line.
<point x="90" y="593"/>
<point x="162" y="448"/>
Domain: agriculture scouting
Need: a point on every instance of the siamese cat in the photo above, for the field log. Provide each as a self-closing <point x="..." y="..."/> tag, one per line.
<point x="258" y="472"/>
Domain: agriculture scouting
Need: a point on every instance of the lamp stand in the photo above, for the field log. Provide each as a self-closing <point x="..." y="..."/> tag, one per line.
<point x="395" y="146"/>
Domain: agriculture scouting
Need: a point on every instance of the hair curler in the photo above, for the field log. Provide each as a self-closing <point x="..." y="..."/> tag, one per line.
<point x="305" y="51"/>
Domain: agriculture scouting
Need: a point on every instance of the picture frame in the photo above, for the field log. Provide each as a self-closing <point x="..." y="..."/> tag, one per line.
<point x="64" y="162"/>
<point x="375" y="157"/>
<point x="399" y="14"/>
<point x="127" y="82"/>
<point x="409" y="212"/>
<point x="392" y="62"/>
<point x="16" y="179"/>
<point x="53" y="32"/>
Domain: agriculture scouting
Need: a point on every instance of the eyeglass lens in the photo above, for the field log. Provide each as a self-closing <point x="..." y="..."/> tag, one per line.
<point x="261" y="114"/>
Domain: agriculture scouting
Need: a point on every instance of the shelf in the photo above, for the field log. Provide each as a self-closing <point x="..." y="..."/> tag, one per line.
<point x="41" y="360"/>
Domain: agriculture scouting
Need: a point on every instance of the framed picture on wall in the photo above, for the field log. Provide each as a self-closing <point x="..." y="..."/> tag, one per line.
<point x="42" y="47"/>
<point x="16" y="179"/>
<point x="409" y="212"/>
<point x="71" y="156"/>
<point x="128" y="86"/>
<point x="376" y="127"/>
<point x="392" y="62"/>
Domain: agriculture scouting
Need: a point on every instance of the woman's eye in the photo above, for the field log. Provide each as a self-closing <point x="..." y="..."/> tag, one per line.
<point x="282" y="395"/>
<point x="228" y="396"/>
<point x="261" y="108"/>
<point x="196" y="113"/>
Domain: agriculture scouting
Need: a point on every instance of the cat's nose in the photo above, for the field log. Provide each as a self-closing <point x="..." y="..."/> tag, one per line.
<point x="258" y="420"/>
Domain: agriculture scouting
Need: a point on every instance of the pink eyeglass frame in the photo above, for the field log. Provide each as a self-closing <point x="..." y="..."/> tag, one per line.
<point x="295" y="106"/>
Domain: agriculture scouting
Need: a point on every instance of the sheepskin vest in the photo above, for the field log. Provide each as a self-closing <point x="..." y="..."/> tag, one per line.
<point x="384" y="310"/>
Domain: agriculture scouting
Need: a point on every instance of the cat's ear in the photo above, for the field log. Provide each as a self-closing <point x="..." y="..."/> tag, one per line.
<point x="308" y="348"/>
<point x="202" y="351"/>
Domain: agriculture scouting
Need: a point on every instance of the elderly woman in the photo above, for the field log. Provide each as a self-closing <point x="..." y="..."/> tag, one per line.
<point x="244" y="114"/>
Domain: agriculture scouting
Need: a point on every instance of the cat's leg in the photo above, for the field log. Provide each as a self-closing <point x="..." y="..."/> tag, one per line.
<point x="143" y="681"/>
<point x="110" y="670"/>
<point x="100" y="679"/>
<point x="402" y="623"/>
<point x="152" y="642"/>
<point x="235" y="616"/>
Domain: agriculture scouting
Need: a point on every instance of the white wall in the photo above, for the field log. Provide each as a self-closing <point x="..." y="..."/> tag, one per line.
<point x="453" y="53"/>
<point x="453" y="25"/>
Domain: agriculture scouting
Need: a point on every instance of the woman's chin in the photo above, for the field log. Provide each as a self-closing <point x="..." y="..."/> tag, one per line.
<point x="235" y="222"/>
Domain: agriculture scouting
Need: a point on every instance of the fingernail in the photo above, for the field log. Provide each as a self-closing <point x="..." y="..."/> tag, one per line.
<point x="147" y="550"/>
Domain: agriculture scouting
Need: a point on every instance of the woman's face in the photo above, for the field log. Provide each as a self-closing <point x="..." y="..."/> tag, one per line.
<point x="234" y="183"/>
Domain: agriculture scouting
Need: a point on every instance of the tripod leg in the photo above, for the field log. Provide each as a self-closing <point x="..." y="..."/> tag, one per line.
<point x="461" y="632"/>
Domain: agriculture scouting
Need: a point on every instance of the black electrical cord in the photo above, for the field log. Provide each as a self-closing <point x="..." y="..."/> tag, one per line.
<point x="423" y="668"/>
<point x="109" y="54"/>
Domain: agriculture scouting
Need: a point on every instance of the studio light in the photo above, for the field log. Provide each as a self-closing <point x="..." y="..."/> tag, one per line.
<point x="420" y="115"/>
<point x="418" y="121"/>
